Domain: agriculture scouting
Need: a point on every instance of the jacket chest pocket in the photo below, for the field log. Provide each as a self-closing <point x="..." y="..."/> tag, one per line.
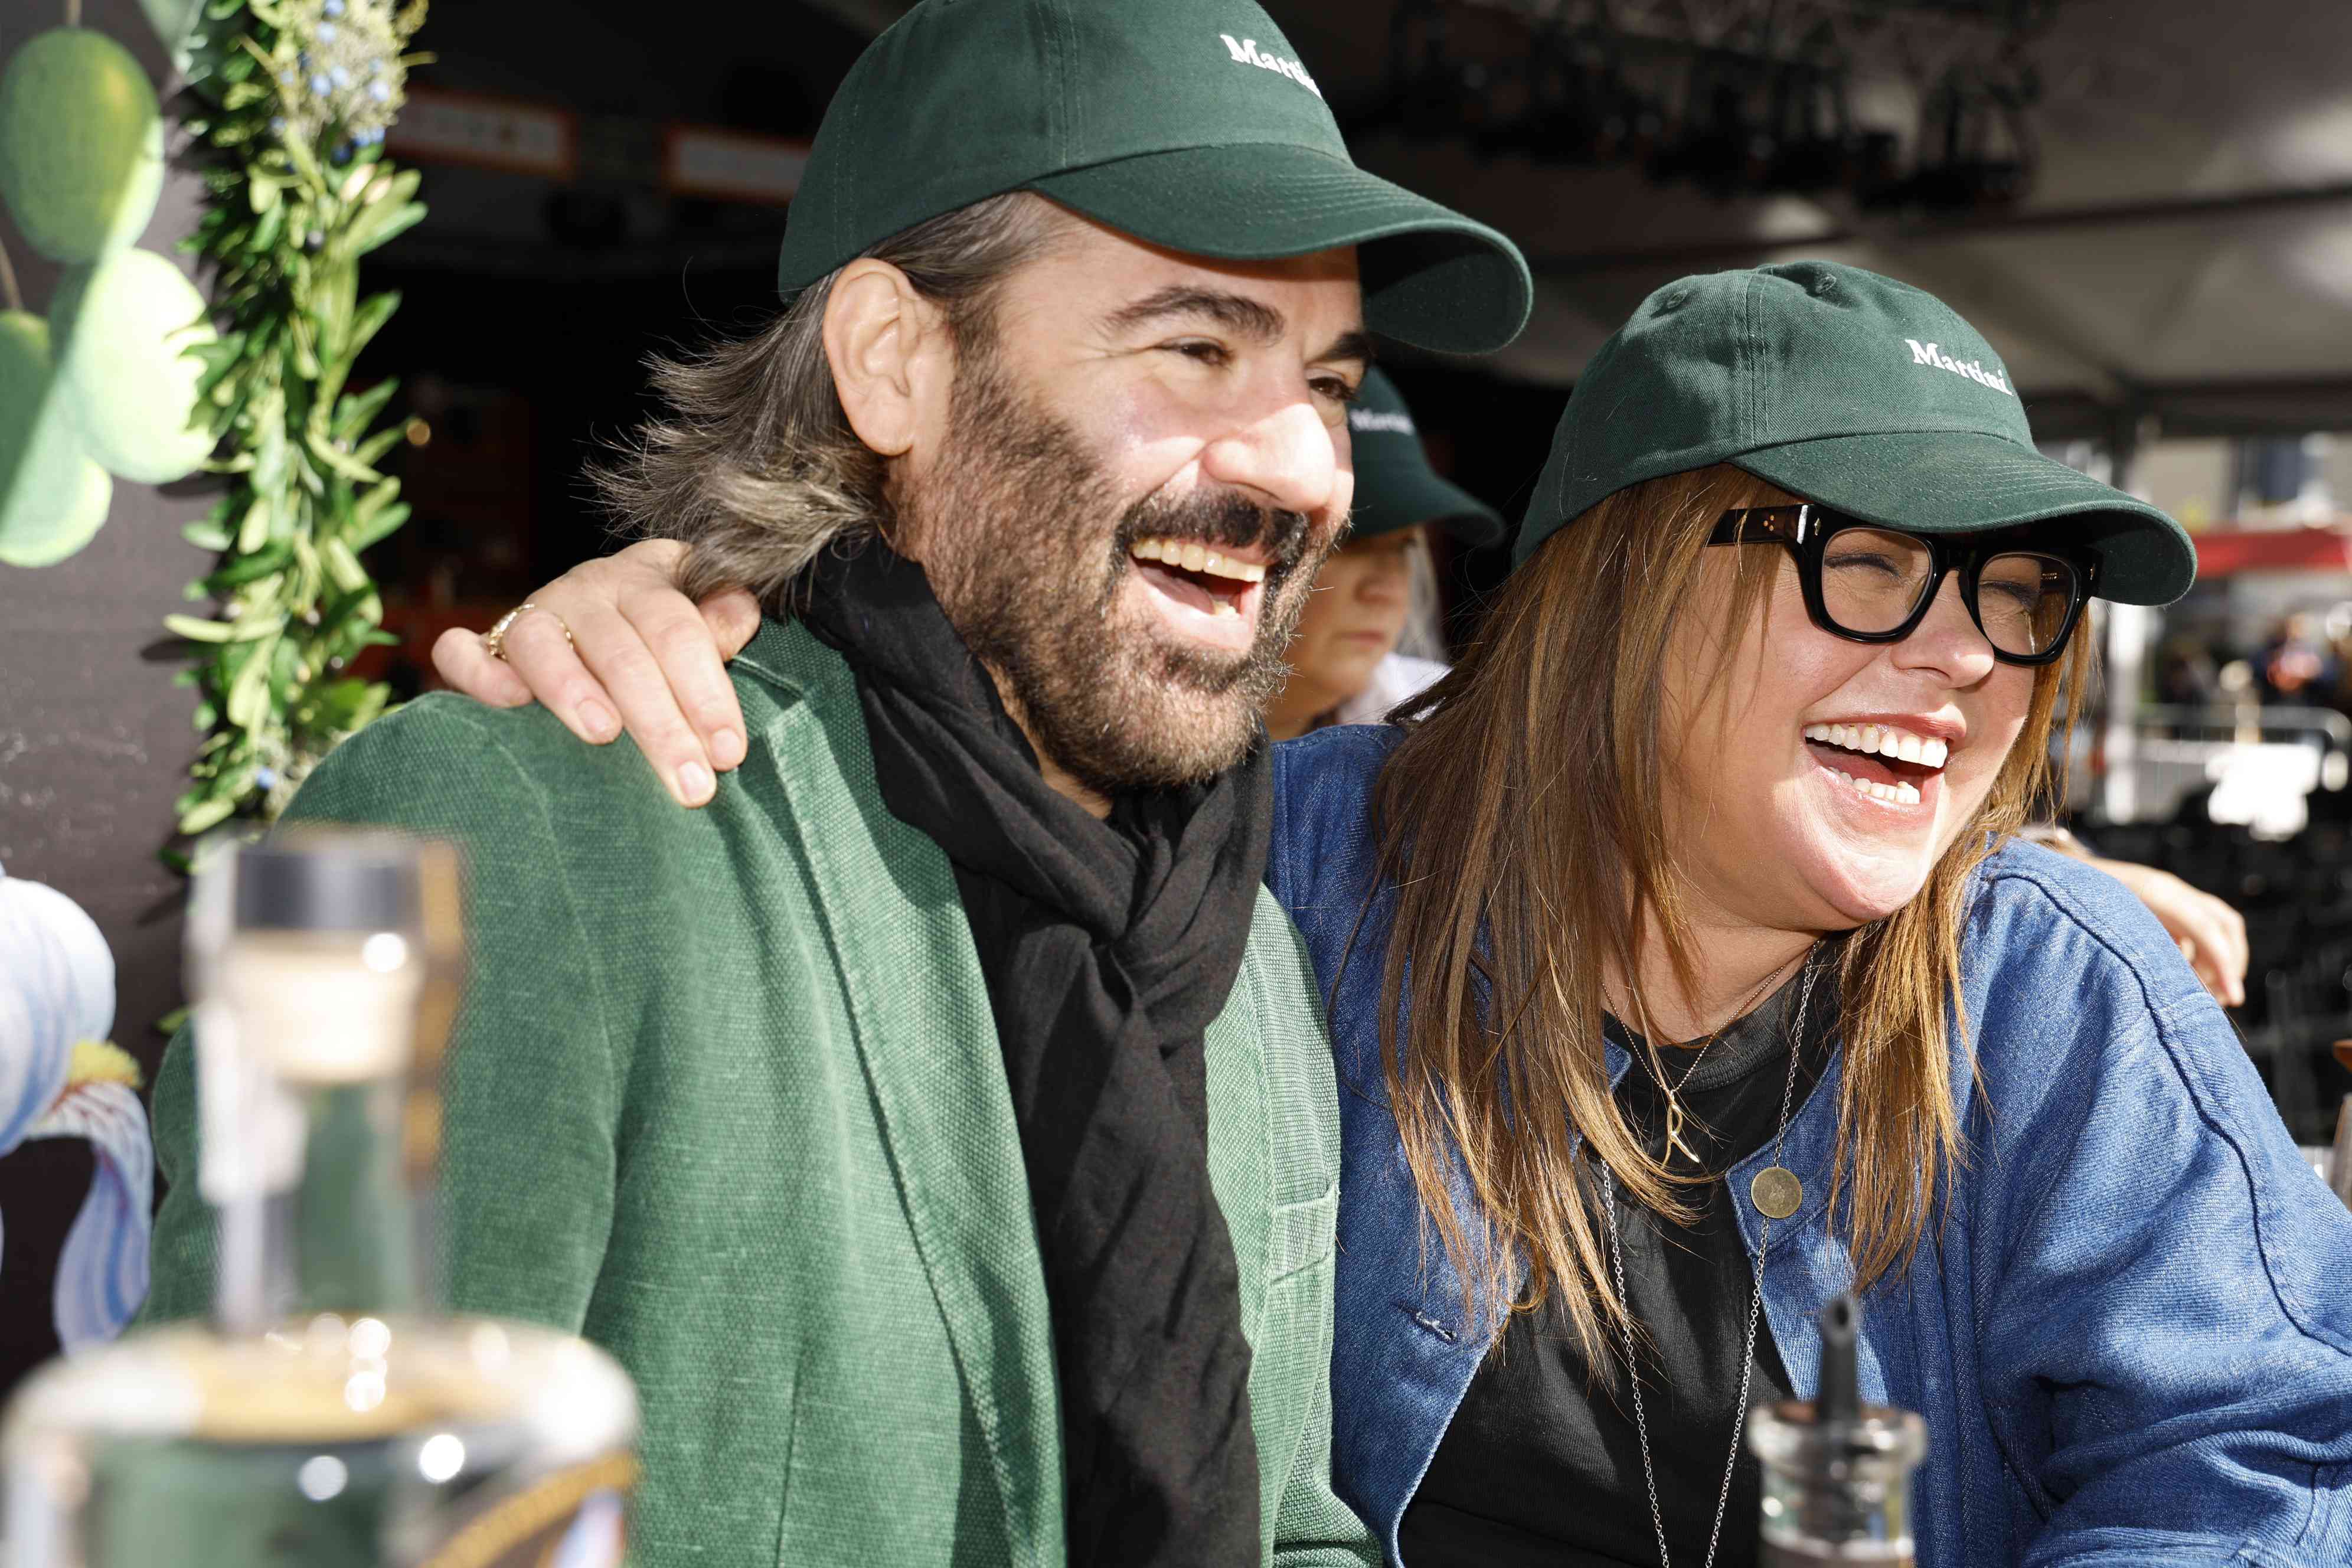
<point x="1300" y="1235"/>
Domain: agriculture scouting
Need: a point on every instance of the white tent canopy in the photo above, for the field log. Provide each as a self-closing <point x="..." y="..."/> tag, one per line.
<point x="2185" y="249"/>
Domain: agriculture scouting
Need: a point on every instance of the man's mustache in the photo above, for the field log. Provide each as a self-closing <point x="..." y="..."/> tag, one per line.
<point x="1225" y="519"/>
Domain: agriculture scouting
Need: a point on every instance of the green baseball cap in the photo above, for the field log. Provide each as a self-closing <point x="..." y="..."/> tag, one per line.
<point x="1186" y="123"/>
<point x="1395" y="486"/>
<point x="1851" y="390"/>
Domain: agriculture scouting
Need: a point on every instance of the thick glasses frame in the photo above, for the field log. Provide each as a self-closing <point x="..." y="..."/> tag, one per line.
<point x="1806" y="530"/>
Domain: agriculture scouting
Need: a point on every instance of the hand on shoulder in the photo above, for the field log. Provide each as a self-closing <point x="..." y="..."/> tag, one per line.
<point x="613" y="646"/>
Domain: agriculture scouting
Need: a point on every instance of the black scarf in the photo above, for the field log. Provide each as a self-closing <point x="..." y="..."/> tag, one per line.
<point x="1106" y="947"/>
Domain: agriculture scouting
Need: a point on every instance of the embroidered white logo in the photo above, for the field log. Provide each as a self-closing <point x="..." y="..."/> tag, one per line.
<point x="1926" y="353"/>
<point x="1246" y="52"/>
<point x="1376" y="419"/>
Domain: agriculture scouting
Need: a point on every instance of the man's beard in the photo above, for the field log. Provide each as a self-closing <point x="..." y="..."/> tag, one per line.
<point x="1021" y="546"/>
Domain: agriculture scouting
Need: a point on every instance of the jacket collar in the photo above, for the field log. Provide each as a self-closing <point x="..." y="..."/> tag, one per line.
<point x="895" y="930"/>
<point x="1809" y="1150"/>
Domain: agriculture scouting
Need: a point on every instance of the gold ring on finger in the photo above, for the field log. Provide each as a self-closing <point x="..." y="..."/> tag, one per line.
<point x="494" y="641"/>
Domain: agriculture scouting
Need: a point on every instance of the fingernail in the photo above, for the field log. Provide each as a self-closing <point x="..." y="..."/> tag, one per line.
<point x="726" y="749"/>
<point x="599" y="719"/>
<point x="693" y="784"/>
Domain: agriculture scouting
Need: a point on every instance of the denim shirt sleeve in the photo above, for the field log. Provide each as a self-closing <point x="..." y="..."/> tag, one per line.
<point x="1323" y="857"/>
<point x="2164" y="1290"/>
<point x="1278" y="852"/>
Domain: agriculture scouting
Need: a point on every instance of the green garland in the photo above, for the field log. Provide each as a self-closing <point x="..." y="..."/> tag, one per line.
<point x="298" y="190"/>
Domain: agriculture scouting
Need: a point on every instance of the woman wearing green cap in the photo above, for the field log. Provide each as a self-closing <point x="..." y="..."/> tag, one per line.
<point x="1684" y="972"/>
<point x="1368" y="643"/>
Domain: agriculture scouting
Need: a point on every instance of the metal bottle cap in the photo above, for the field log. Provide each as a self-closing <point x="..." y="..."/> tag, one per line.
<point x="327" y="882"/>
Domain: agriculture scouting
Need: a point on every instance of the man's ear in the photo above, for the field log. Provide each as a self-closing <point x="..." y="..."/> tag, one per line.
<point x="891" y="355"/>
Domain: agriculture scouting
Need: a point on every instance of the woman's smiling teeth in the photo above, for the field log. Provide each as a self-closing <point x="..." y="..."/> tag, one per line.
<point x="1881" y="750"/>
<point x="1903" y="791"/>
<point x="1884" y="740"/>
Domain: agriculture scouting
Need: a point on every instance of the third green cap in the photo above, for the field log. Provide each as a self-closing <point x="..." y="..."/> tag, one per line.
<point x="1395" y="486"/>
<point x="1188" y="123"/>
<point x="1853" y="391"/>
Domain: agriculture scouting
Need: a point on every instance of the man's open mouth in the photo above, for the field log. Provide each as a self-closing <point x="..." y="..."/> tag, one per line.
<point x="1885" y="761"/>
<point x="1216" y="583"/>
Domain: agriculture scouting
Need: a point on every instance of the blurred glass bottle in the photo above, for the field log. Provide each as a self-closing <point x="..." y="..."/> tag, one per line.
<point x="1837" y="1472"/>
<point x="330" y="1416"/>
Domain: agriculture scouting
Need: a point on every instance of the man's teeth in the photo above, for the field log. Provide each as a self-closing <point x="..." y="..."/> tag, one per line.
<point x="1883" y="740"/>
<point x="1902" y="793"/>
<point x="1194" y="556"/>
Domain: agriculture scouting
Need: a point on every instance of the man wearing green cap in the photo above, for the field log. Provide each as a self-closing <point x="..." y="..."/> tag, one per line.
<point x="939" y="1126"/>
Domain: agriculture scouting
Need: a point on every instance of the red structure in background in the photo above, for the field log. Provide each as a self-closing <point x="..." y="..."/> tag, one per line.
<point x="2223" y="551"/>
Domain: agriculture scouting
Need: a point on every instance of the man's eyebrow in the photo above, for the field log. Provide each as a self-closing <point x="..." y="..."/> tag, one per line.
<point x="1356" y="345"/>
<point x="1234" y="312"/>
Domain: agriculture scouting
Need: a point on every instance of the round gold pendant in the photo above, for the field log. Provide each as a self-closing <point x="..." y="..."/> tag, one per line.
<point x="1776" y="1191"/>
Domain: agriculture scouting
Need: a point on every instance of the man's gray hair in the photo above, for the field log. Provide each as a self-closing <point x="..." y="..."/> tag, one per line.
<point x="754" y="466"/>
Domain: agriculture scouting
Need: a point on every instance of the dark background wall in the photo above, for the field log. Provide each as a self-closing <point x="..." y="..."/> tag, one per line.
<point x="94" y="739"/>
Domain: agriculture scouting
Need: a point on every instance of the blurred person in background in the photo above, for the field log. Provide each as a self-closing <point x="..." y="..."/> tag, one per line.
<point x="2296" y="663"/>
<point x="1372" y="635"/>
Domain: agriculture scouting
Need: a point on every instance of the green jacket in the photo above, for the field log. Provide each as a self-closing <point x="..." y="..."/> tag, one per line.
<point x="726" y="1099"/>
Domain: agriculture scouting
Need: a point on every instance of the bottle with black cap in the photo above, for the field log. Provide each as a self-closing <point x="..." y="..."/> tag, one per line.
<point x="1837" y="1472"/>
<point x="330" y="1414"/>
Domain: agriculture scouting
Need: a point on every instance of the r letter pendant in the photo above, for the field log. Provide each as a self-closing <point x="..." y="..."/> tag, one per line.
<point x="1776" y="1191"/>
<point x="1675" y="1144"/>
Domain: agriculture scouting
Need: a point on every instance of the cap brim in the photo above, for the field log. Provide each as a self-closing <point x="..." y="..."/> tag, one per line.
<point x="1385" y="503"/>
<point x="1957" y="481"/>
<point x="1432" y="277"/>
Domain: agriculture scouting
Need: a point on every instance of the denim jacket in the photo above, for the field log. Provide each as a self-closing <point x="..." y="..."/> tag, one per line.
<point x="2129" y="1329"/>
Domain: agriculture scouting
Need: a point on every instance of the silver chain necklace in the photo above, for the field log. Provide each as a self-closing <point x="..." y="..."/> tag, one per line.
<point x="1754" y="1305"/>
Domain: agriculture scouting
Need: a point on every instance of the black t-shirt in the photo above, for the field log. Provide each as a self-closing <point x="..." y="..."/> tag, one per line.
<point x="1543" y="1464"/>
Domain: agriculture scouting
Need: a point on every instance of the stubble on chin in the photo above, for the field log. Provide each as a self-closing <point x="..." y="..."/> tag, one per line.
<point x="1025" y="545"/>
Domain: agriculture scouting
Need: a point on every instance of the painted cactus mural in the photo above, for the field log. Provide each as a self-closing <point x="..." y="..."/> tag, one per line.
<point x="61" y="1078"/>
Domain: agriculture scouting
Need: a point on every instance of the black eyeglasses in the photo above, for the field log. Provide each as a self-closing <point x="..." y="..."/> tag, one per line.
<point x="1873" y="584"/>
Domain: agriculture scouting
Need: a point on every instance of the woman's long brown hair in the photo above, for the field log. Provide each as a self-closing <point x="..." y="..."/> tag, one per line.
<point x="1524" y="823"/>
